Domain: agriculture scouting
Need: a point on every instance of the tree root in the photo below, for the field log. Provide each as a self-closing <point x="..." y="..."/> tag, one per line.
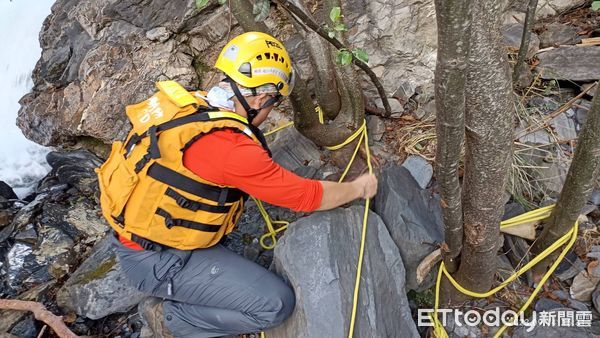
<point x="40" y="313"/>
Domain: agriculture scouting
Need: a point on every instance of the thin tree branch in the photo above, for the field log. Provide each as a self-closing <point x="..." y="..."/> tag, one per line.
<point x="525" y="38"/>
<point x="40" y="313"/>
<point x="308" y="21"/>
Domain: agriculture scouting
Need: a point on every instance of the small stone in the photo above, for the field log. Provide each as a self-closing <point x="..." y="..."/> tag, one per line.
<point x="577" y="305"/>
<point x="564" y="127"/>
<point x="420" y="169"/>
<point x="546" y="304"/>
<point x="426" y="112"/>
<point x="512" y="38"/>
<point x="595" y="197"/>
<point x="593" y="255"/>
<point x="559" y="34"/>
<point x="376" y="127"/>
<point x="160" y="34"/>
<point x="5" y="217"/>
<point x="583" y="286"/>
<point x="405" y="91"/>
<point x="395" y="106"/>
<point x="569" y="267"/>
<point x="7" y="192"/>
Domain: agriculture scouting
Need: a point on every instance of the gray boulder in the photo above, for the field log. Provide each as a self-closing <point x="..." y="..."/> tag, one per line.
<point x="414" y="218"/>
<point x="512" y="38"/>
<point x="575" y="63"/>
<point x="559" y="34"/>
<point x="292" y="150"/>
<point x="98" y="288"/>
<point x="318" y="256"/>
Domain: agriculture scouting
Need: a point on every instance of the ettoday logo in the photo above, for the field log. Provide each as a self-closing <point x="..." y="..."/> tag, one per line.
<point x="496" y="318"/>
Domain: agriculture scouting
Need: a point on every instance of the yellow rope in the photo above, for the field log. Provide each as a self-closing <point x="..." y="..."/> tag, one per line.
<point x="279" y="128"/>
<point x="360" y="133"/>
<point x="535" y="215"/>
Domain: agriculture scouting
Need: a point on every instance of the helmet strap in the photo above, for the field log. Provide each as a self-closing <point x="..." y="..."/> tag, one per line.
<point x="251" y="112"/>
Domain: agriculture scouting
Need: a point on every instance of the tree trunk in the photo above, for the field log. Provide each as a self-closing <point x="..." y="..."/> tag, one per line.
<point x="525" y="39"/>
<point x="488" y="145"/>
<point x="454" y="26"/>
<point x="583" y="175"/>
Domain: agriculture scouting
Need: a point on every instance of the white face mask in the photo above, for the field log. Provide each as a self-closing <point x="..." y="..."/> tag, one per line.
<point x="220" y="98"/>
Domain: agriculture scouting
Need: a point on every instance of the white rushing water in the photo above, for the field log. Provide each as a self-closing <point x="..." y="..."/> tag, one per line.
<point x="22" y="162"/>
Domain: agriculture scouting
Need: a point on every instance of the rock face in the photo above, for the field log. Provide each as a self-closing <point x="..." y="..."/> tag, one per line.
<point x="413" y="217"/>
<point x="576" y="63"/>
<point x="318" y="256"/>
<point x="100" y="55"/>
<point x="98" y="287"/>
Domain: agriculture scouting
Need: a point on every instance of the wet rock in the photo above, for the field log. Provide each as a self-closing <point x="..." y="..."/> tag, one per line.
<point x="10" y="318"/>
<point x="420" y="169"/>
<point x="512" y="38"/>
<point x="86" y="217"/>
<point x="318" y="256"/>
<point x="292" y="150"/>
<point x="98" y="287"/>
<point x="559" y="34"/>
<point x="545" y="331"/>
<point x="75" y="168"/>
<point x="7" y="192"/>
<point x="376" y="127"/>
<point x="413" y="217"/>
<point x="5" y="217"/>
<point x="26" y="328"/>
<point x="583" y="286"/>
<point x="576" y="63"/>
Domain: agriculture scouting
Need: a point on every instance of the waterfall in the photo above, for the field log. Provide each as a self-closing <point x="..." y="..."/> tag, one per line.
<point x="22" y="162"/>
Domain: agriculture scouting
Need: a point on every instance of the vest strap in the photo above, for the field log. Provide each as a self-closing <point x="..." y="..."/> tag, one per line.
<point x="171" y="222"/>
<point x="184" y="183"/>
<point x="195" y="206"/>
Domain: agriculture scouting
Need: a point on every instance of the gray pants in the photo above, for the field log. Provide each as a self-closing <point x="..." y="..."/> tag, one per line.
<point x="209" y="292"/>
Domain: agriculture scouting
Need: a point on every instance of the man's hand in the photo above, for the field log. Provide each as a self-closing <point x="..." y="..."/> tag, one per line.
<point x="336" y="194"/>
<point x="367" y="185"/>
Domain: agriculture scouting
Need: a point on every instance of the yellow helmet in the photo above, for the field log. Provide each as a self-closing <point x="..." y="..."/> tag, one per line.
<point x="254" y="59"/>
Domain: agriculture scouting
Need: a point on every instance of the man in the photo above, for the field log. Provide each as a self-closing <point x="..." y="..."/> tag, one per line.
<point x="209" y="291"/>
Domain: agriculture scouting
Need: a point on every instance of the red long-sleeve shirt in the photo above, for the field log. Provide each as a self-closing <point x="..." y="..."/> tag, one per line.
<point x="230" y="158"/>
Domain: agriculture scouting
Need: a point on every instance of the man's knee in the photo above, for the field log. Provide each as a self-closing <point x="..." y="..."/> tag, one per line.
<point x="282" y="307"/>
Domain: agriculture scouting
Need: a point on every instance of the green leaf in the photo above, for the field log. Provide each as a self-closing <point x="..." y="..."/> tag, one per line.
<point x="343" y="57"/>
<point x="200" y="4"/>
<point x="361" y="54"/>
<point x="221" y="2"/>
<point x="261" y="10"/>
<point x="596" y="5"/>
<point x="331" y="34"/>
<point x="335" y="14"/>
<point x="340" y="27"/>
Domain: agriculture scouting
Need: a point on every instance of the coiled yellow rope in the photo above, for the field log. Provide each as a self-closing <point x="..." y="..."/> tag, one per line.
<point x="360" y="133"/>
<point x="535" y="215"/>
